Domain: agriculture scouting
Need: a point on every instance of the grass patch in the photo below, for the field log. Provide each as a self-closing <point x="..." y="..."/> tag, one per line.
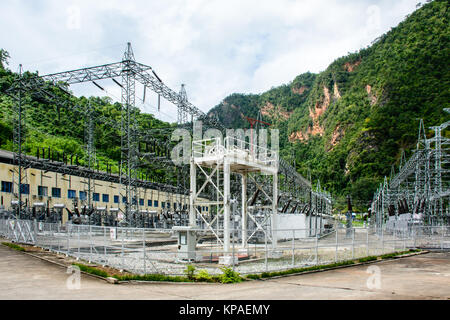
<point x="391" y="255"/>
<point x="14" y="246"/>
<point x="92" y="270"/>
<point x="153" y="277"/>
<point x="265" y="275"/>
<point x="298" y="270"/>
<point x="366" y="259"/>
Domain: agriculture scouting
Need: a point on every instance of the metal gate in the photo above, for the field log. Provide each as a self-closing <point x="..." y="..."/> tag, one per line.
<point x="21" y="231"/>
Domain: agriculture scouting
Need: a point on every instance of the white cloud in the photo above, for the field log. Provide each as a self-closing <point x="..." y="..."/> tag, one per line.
<point x="214" y="47"/>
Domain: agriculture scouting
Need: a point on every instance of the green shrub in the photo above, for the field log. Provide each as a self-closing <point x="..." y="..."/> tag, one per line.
<point x="203" y="275"/>
<point x="190" y="272"/>
<point x="229" y="276"/>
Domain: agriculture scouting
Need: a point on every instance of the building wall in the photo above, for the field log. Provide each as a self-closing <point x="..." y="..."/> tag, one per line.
<point x="36" y="178"/>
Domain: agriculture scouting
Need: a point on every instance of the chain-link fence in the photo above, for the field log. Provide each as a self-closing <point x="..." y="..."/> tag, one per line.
<point x="158" y="251"/>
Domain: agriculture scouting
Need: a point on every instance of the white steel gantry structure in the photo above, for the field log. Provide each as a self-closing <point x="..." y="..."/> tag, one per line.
<point x="215" y="161"/>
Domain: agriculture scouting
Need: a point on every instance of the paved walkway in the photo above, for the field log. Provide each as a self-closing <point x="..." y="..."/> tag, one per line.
<point x="424" y="276"/>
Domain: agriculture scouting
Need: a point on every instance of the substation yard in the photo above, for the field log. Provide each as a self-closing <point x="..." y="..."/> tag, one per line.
<point x="161" y="250"/>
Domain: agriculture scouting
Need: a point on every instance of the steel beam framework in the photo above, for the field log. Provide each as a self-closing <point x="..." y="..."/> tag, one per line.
<point x="419" y="193"/>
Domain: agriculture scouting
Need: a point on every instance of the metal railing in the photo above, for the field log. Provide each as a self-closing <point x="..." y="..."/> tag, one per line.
<point x="234" y="147"/>
<point x="147" y="251"/>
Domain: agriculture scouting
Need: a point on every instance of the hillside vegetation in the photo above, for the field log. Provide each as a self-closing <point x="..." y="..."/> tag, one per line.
<point x="348" y="124"/>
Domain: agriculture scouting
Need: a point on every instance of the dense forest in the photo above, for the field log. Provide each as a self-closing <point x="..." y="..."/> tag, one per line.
<point x="348" y="125"/>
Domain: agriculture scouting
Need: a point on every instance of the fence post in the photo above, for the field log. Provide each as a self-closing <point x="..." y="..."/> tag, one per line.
<point x="382" y="240"/>
<point x="317" y="249"/>
<point x="337" y="244"/>
<point x="68" y="239"/>
<point x="442" y="238"/>
<point x="404" y="240"/>
<point x="104" y="243"/>
<point x="143" y="249"/>
<point x="122" y="253"/>
<point x="293" y="248"/>
<point x="367" y="242"/>
<point x="353" y="243"/>
<point x="232" y="258"/>
<point x="90" y="243"/>
<point x="265" y="259"/>
<point x="79" y="233"/>
<point x="59" y="242"/>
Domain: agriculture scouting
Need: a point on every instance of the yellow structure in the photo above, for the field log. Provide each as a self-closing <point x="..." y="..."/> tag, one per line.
<point x="51" y="188"/>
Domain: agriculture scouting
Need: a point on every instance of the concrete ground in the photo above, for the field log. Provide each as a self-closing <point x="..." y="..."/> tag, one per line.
<point x="424" y="276"/>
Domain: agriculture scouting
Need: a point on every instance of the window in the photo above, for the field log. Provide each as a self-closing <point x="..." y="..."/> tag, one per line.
<point x="134" y="201"/>
<point x="163" y="205"/>
<point x="42" y="191"/>
<point x="124" y="199"/>
<point x="25" y="188"/>
<point x="56" y="192"/>
<point x="71" y="194"/>
<point x="116" y="199"/>
<point x="199" y="208"/>
<point x="149" y="203"/>
<point x="175" y="206"/>
<point x="207" y="209"/>
<point x="141" y="202"/>
<point x="105" y="198"/>
<point x="96" y="197"/>
<point x="7" y="187"/>
<point x="155" y="203"/>
<point x="83" y="195"/>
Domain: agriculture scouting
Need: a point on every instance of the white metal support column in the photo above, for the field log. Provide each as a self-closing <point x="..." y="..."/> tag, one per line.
<point x="226" y="205"/>
<point x="193" y="193"/>
<point x="244" y="210"/>
<point x="275" y="211"/>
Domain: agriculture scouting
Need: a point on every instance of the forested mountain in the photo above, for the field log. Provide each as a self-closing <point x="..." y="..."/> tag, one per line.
<point x="348" y="124"/>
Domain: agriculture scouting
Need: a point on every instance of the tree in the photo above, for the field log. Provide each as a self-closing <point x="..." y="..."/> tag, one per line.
<point x="4" y="56"/>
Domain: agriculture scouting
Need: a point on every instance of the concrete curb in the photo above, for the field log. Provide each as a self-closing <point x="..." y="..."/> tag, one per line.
<point x="170" y="283"/>
<point x="341" y="267"/>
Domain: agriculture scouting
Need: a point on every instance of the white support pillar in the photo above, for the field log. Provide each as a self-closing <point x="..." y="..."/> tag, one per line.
<point x="226" y="204"/>
<point x="244" y="210"/>
<point x="192" y="197"/>
<point x="275" y="212"/>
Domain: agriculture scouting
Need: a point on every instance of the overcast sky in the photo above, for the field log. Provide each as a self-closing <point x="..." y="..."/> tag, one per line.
<point x="215" y="47"/>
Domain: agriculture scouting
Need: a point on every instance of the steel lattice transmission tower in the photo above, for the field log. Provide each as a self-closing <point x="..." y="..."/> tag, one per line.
<point x="182" y="113"/>
<point x="129" y="159"/>
<point x="19" y="134"/>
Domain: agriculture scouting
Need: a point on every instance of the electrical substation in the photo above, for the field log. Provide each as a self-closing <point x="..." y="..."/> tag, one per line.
<point x="235" y="202"/>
